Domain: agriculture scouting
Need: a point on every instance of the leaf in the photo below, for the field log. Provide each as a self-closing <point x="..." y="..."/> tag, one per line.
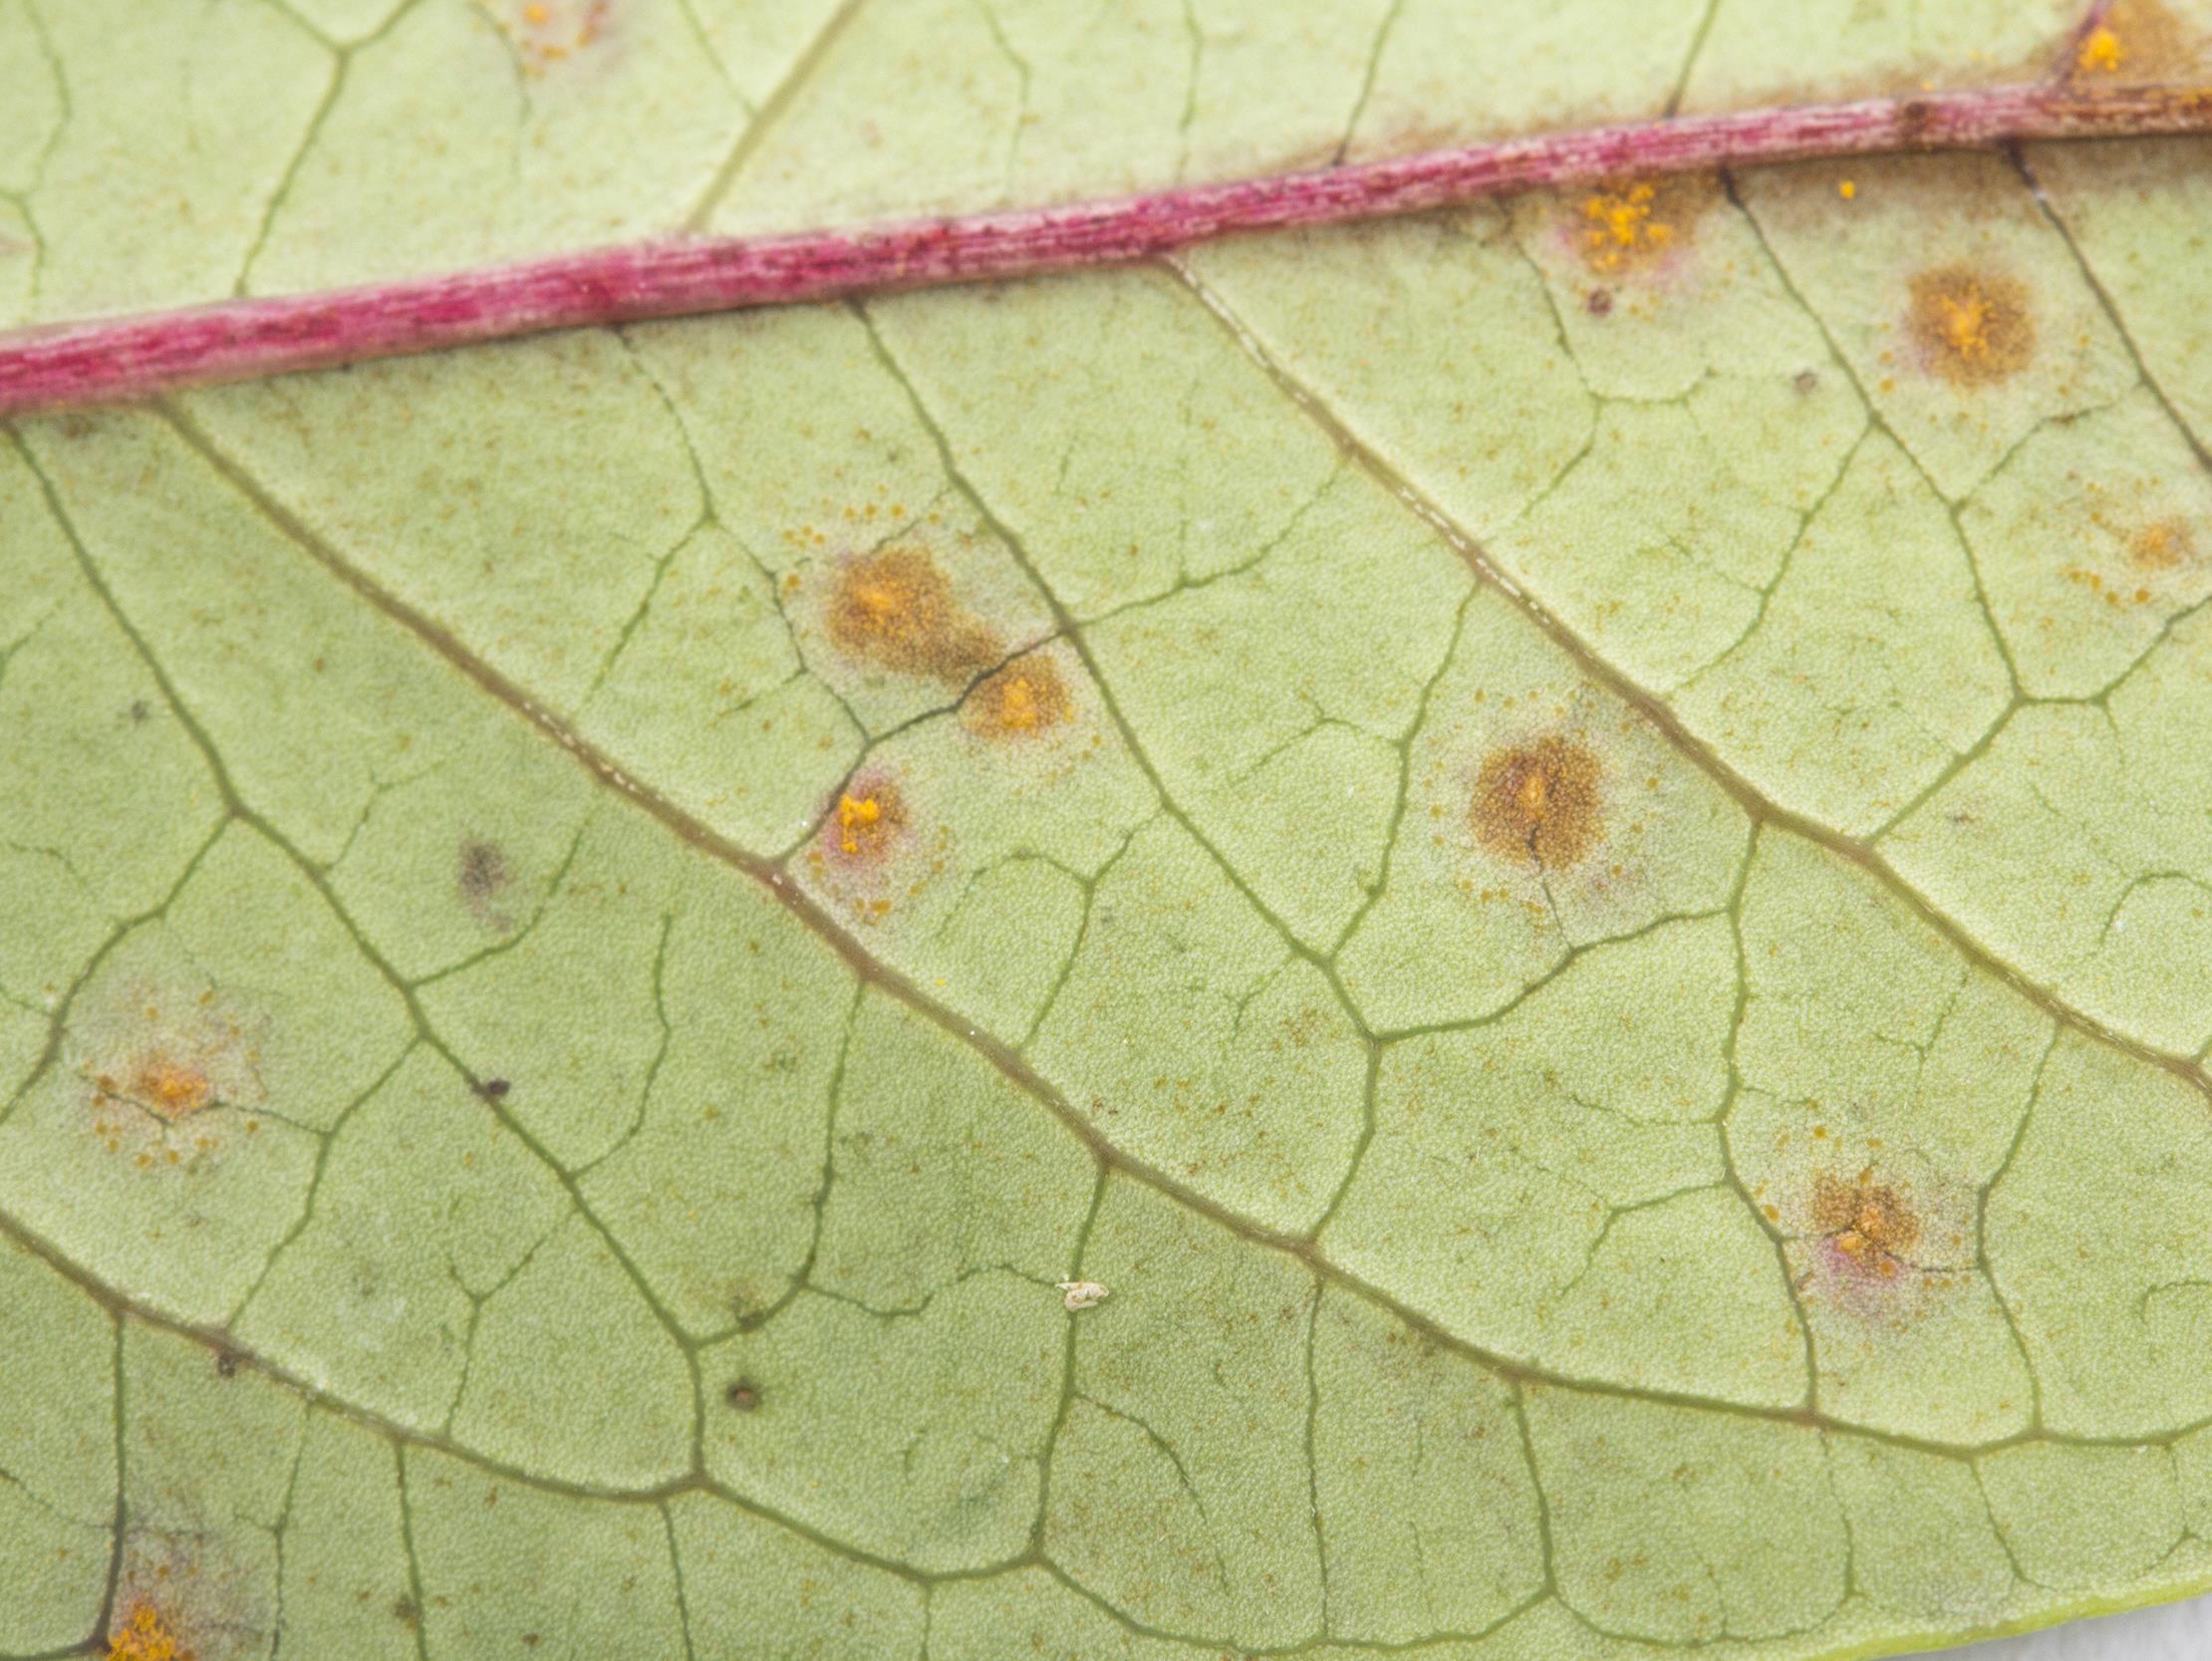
<point x="1479" y="937"/>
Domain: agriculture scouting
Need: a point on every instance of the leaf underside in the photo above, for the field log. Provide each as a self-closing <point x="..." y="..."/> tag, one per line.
<point x="1565" y="848"/>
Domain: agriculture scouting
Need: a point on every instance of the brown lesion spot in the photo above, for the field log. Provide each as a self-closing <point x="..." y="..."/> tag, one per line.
<point x="167" y="1085"/>
<point x="1540" y="802"/>
<point x="2162" y="545"/>
<point x="159" y="1066"/>
<point x="1027" y="698"/>
<point x="895" y="610"/>
<point x="1971" y="327"/>
<point x="1872" y="1225"/>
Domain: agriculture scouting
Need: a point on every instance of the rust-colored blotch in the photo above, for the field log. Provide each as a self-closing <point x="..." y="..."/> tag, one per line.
<point x="142" y="1634"/>
<point x="1539" y="801"/>
<point x="867" y="821"/>
<point x="2161" y="545"/>
<point x="1023" y="699"/>
<point x="894" y="609"/>
<point x="1971" y="327"/>
<point x="1871" y="1224"/>
<point x="169" y="1087"/>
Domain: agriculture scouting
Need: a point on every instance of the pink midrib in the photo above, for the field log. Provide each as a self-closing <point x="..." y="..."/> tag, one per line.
<point x="137" y="356"/>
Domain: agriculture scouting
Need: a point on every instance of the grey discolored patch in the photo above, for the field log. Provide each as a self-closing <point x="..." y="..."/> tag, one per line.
<point x="481" y="874"/>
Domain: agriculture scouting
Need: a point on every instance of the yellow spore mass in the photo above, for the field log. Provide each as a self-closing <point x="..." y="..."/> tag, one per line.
<point x="1965" y="322"/>
<point x="145" y="1636"/>
<point x="1621" y="226"/>
<point x="2100" y="52"/>
<point x="1021" y="700"/>
<point x="856" y="815"/>
<point x="1018" y="708"/>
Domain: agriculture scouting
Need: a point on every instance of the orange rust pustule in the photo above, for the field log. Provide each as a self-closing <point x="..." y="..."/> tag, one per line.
<point x="867" y="821"/>
<point x="1539" y="801"/>
<point x="170" y="1088"/>
<point x="141" y="1633"/>
<point x="1620" y="227"/>
<point x="1969" y="328"/>
<point x="1021" y="700"/>
<point x="1871" y="1224"/>
<point x="2162" y="545"/>
<point x="2137" y="43"/>
<point x="894" y="609"/>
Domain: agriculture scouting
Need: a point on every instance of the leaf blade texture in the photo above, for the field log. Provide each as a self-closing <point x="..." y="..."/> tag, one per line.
<point x="1479" y="937"/>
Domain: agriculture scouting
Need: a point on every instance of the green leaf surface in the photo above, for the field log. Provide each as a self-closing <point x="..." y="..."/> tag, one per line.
<point x="1481" y="938"/>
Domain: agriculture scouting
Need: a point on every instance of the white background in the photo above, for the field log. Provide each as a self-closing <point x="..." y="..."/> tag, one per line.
<point x="2177" y="1632"/>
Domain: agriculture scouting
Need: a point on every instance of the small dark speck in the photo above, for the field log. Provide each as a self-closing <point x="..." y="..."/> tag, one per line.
<point x="1599" y="302"/>
<point x="493" y="1089"/>
<point x="140" y="711"/>
<point x="480" y="876"/>
<point x="1805" y="381"/>
<point x="744" y="1395"/>
<point x="226" y="1364"/>
<point x="403" y="1609"/>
